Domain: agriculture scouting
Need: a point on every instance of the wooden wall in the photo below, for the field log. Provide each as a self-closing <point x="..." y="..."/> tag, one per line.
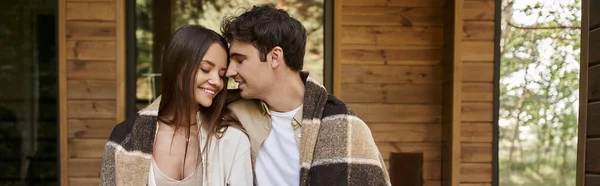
<point x="588" y="166"/>
<point x="391" y="74"/>
<point x="392" y="60"/>
<point x="91" y="83"/>
<point x="477" y="106"/>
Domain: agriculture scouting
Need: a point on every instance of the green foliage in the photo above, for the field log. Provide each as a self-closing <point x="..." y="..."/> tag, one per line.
<point x="539" y="92"/>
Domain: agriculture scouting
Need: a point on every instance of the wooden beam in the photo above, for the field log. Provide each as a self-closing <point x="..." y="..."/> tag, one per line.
<point x="594" y="16"/>
<point x="337" y="48"/>
<point x="479" y="10"/>
<point x="90" y="70"/>
<point x="393" y="35"/>
<point x="85" y="167"/>
<point x="392" y="93"/>
<point x="592" y="156"/>
<point x="90" y="11"/>
<point x="86" y="30"/>
<point x="391" y="74"/>
<point x="91" y="50"/>
<point x="476" y="172"/>
<point x="393" y="113"/>
<point x="393" y="16"/>
<point x="91" y="89"/>
<point x="451" y="129"/>
<point x="90" y="128"/>
<point x="84" y="181"/>
<point x="583" y="100"/>
<point x="395" y="3"/>
<point x="91" y="109"/>
<point x="121" y="64"/>
<point x="477" y="132"/>
<point x="62" y="92"/>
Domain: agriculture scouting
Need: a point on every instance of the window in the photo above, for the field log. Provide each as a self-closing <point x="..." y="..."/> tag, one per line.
<point x="150" y="39"/>
<point x="28" y="99"/>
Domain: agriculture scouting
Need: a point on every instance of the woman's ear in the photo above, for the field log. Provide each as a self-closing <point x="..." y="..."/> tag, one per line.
<point x="276" y="57"/>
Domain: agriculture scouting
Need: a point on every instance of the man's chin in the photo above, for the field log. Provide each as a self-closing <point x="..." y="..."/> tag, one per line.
<point x="246" y="95"/>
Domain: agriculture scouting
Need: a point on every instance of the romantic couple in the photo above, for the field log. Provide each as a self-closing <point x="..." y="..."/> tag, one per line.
<point x="280" y="127"/>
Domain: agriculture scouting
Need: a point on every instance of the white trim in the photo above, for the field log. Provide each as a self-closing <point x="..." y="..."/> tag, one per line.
<point x="305" y="165"/>
<point x="119" y="148"/>
<point x="342" y="116"/>
<point x="148" y="112"/>
<point x="314" y="121"/>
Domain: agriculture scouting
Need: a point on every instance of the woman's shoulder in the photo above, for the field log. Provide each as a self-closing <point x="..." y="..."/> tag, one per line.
<point x="234" y="136"/>
<point x="121" y="130"/>
<point x="235" y="133"/>
<point x="145" y="124"/>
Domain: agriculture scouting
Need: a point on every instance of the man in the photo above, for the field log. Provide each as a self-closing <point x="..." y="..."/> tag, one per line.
<point x="299" y="134"/>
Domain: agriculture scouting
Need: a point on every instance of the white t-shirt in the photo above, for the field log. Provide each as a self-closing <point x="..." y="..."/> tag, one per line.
<point x="278" y="160"/>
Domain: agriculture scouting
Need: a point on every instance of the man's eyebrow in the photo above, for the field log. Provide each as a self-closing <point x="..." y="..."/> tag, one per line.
<point x="235" y="54"/>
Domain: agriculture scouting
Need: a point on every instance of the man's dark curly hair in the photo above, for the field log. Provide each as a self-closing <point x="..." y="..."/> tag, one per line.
<point x="266" y="27"/>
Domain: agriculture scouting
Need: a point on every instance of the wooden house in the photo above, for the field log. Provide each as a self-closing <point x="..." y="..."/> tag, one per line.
<point x="421" y="73"/>
<point x="588" y="153"/>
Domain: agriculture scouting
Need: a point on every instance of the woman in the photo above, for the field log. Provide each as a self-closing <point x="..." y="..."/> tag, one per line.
<point x="180" y="139"/>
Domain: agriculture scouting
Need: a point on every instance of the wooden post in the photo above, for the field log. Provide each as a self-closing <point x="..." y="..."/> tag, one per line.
<point x="337" y="48"/>
<point x="62" y="91"/>
<point x="91" y="84"/>
<point x="583" y="101"/>
<point x="451" y="129"/>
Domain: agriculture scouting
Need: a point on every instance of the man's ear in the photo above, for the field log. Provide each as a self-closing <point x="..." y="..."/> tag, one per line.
<point x="276" y="57"/>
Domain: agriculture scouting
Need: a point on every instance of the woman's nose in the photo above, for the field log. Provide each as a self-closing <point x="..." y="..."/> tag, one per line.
<point x="215" y="79"/>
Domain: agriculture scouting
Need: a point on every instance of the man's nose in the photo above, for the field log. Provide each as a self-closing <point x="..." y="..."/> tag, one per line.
<point x="231" y="70"/>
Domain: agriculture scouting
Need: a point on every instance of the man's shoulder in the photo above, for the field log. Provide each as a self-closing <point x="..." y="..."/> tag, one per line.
<point x="335" y="106"/>
<point x="336" y="113"/>
<point x="244" y="105"/>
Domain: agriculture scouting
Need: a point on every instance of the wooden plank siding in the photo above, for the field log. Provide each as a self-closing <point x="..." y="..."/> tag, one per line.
<point x="390" y="64"/>
<point x="592" y="154"/>
<point x="391" y="68"/>
<point x="478" y="91"/>
<point x="588" y="159"/>
<point x="91" y="80"/>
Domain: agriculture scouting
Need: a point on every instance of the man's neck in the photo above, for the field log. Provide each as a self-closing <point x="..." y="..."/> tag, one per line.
<point x="287" y="94"/>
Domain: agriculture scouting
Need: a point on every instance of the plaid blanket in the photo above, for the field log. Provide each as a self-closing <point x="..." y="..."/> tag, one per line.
<point x="336" y="147"/>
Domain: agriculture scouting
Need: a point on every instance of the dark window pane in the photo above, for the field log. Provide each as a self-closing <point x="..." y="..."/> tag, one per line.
<point x="28" y="107"/>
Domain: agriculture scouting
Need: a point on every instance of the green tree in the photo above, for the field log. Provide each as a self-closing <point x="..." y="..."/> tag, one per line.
<point x="539" y="92"/>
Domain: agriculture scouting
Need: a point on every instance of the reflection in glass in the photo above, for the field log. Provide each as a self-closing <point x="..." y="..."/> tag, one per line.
<point x="156" y="20"/>
<point x="28" y="97"/>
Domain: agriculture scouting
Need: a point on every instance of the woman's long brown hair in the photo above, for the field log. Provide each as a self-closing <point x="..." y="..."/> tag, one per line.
<point x="181" y="58"/>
